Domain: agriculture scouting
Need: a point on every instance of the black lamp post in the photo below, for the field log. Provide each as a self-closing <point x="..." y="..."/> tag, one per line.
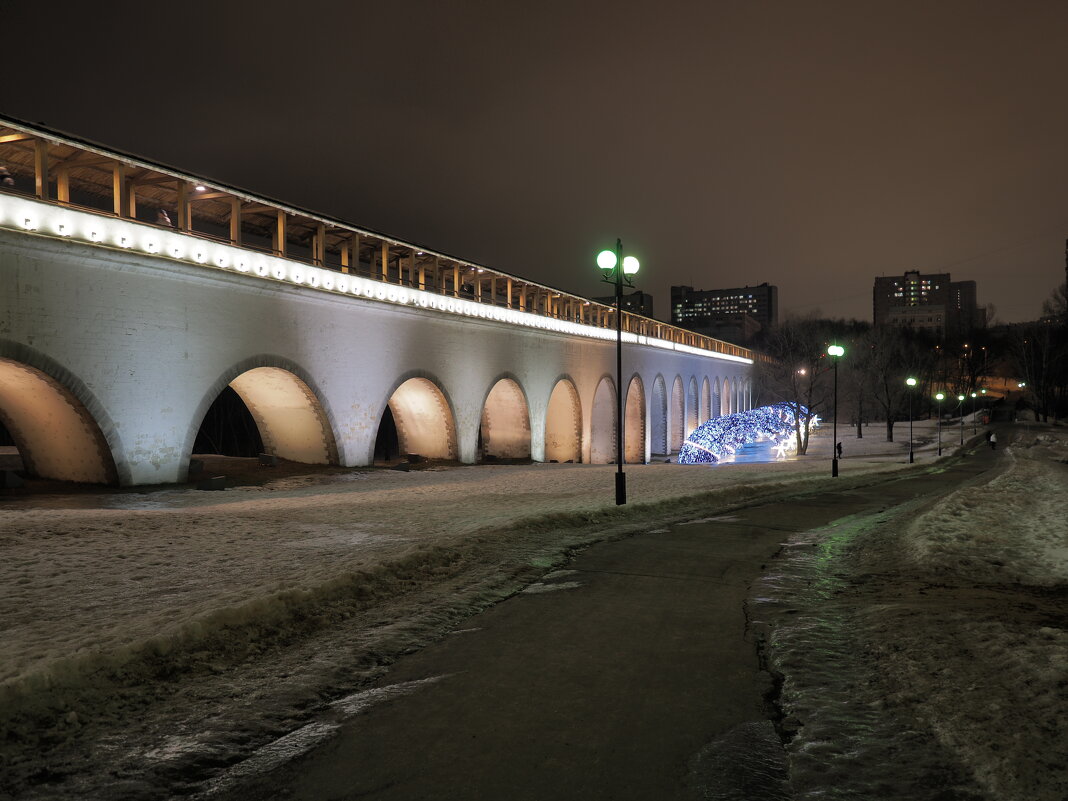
<point x="615" y="269"/>
<point x="960" y="408"/>
<point x="835" y="351"/>
<point x="974" y="395"/>
<point x="910" y="382"/>
<point x="941" y="396"/>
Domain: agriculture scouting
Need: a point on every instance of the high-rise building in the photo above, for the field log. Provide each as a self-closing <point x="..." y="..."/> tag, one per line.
<point x="928" y="302"/>
<point x="734" y="315"/>
<point x="637" y="302"/>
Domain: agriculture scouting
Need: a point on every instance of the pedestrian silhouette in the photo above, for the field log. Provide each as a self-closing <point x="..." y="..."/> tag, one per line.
<point x="838" y="448"/>
<point x="993" y="442"/>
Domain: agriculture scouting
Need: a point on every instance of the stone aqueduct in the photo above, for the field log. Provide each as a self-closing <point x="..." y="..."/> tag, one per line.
<point x="117" y="334"/>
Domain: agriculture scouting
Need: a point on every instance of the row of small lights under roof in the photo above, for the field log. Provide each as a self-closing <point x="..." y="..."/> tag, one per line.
<point x="33" y="215"/>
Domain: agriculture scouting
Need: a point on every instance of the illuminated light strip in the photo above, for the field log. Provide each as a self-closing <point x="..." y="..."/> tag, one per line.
<point x="44" y="219"/>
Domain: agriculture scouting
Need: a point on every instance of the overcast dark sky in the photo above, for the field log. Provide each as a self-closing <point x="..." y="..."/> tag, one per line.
<point x="812" y="145"/>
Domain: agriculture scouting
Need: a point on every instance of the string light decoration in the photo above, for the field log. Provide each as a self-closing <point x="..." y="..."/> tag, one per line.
<point x="723" y="436"/>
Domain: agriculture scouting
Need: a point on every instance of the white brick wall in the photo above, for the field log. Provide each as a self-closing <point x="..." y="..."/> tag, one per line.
<point x="146" y="343"/>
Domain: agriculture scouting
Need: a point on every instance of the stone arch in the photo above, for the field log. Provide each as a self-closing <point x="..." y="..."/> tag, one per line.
<point x="677" y="417"/>
<point x="292" y="420"/>
<point x="727" y="389"/>
<point x="634" y="422"/>
<point x="717" y="399"/>
<point x="658" y="427"/>
<point x="706" y="402"/>
<point x="603" y="423"/>
<point x="423" y="416"/>
<point x="691" y="406"/>
<point x="49" y="414"/>
<point x="505" y="422"/>
<point x="563" y="423"/>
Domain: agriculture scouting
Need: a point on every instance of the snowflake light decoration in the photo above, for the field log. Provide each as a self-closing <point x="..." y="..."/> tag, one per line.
<point x="723" y="436"/>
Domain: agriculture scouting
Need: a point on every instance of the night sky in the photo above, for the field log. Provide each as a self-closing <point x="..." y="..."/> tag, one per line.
<point x="812" y="145"/>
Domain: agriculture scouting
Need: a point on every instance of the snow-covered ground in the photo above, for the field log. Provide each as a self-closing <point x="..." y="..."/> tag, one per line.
<point x="925" y="652"/>
<point x="144" y="631"/>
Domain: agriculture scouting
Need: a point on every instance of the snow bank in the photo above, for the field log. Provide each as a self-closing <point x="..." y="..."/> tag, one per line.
<point x="1011" y="529"/>
<point x="931" y="652"/>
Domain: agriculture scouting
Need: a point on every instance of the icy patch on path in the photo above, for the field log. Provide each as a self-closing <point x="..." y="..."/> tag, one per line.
<point x="292" y="745"/>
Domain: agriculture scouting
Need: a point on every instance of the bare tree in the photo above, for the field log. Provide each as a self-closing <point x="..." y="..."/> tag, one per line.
<point x="797" y="373"/>
<point x="894" y="355"/>
<point x="1038" y="352"/>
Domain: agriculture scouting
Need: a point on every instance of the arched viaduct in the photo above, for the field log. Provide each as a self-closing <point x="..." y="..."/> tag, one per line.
<point x="116" y="336"/>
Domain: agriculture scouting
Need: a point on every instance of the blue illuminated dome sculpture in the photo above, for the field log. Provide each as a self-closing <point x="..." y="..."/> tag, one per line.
<point x="723" y="436"/>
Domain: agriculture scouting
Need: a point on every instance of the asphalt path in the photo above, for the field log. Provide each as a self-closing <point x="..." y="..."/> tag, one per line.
<point x="602" y="683"/>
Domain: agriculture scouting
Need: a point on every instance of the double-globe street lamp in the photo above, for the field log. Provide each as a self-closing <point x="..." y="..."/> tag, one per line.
<point x="835" y="352"/>
<point x="910" y="383"/>
<point x="974" y="396"/>
<point x="941" y="396"/>
<point x="614" y="270"/>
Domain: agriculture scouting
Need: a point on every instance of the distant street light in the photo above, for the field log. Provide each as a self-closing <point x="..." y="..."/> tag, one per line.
<point x="615" y="268"/>
<point x="910" y="382"/>
<point x="960" y="407"/>
<point x="835" y="352"/>
<point x="941" y="396"/>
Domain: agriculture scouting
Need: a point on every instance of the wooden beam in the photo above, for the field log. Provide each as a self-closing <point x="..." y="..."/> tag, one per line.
<point x="259" y="208"/>
<point x="319" y="252"/>
<point x="15" y="137"/>
<point x="40" y="167"/>
<point x="86" y="159"/>
<point x="235" y="221"/>
<point x="278" y="233"/>
<point x="208" y="195"/>
<point x="351" y="263"/>
<point x="385" y="261"/>
<point x="131" y="201"/>
<point x="456" y="280"/>
<point x="119" y="199"/>
<point x="156" y="179"/>
<point x="183" y="206"/>
<point x="63" y="186"/>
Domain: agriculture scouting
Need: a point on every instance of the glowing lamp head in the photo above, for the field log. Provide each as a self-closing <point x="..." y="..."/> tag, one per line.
<point x="606" y="260"/>
<point x="910" y="381"/>
<point x="630" y="265"/>
<point x="836" y="350"/>
<point x="941" y="396"/>
<point x="200" y="188"/>
<point x="1021" y="384"/>
<point x="973" y="394"/>
<point x="960" y="397"/>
